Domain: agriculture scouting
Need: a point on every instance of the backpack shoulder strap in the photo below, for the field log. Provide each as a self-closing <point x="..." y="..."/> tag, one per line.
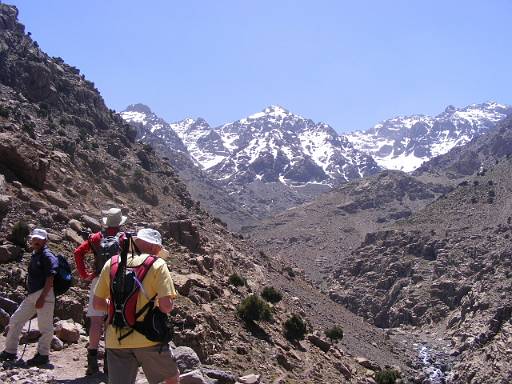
<point x="143" y="269"/>
<point x="114" y="265"/>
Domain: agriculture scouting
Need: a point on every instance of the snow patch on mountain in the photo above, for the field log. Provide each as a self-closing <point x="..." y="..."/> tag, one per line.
<point x="405" y="142"/>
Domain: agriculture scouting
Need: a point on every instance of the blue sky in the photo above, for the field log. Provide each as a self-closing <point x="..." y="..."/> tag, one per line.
<point x="350" y="64"/>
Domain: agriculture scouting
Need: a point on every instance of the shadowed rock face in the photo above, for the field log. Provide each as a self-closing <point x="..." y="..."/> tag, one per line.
<point x="24" y="158"/>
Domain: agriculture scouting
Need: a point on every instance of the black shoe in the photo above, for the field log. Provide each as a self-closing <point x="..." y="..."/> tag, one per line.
<point x="38" y="360"/>
<point x="6" y="356"/>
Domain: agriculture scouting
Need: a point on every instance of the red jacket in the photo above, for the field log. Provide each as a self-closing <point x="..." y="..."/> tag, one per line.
<point x="84" y="248"/>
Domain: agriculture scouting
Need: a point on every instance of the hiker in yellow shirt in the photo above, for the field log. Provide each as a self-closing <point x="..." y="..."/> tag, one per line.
<point x="127" y="353"/>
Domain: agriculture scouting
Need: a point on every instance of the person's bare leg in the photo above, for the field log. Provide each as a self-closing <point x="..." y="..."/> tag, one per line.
<point x="95" y="330"/>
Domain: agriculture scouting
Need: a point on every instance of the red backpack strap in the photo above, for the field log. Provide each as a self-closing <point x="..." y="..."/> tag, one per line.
<point x="143" y="269"/>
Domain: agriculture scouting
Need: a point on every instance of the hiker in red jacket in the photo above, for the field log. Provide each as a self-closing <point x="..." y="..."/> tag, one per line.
<point x="102" y="245"/>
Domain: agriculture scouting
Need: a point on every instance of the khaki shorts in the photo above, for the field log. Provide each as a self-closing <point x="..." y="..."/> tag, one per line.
<point x="91" y="312"/>
<point x="157" y="362"/>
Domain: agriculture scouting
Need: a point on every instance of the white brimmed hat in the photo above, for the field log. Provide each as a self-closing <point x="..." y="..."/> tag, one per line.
<point x="38" y="233"/>
<point x="149" y="235"/>
<point x="113" y="218"/>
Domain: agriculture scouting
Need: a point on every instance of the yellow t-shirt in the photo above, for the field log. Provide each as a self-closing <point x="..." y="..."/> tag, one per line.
<point x="158" y="282"/>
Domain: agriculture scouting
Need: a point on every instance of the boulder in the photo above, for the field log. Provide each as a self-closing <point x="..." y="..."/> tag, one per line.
<point x="5" y="204"/>
<point x="75" y="225"/>
<point x="193" y="377"/>
<point x="222" y="377"/>
<point x="68" y="331"/>
<point x="57" y="344"/>
<point x="37" y="204"/>
<point x="91" y="223"/>
<point x="368" y="364"/>
<point x="25" y="158"/>
<point x="249" y="379"/>
<point x="72" y="236"/>
<point x="184" y="232"/>
<point x="282" y="360"/>
<point x="184" y="283"/>
<point x="69" y="308"/>
<point x="9" y="252"/>
<point x="8" y="305"/>
<point x="186" y="359"/>
<point x="317" y="341"/>
<point x="57" y="199"/>
<point x="343" y="369"/>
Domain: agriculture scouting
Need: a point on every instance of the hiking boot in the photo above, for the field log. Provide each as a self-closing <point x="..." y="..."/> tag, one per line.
<point x="6" y="356"/>
<point x="92" y="363"/>
<point x="105" y="365"/>
<point x="38" y="360"/>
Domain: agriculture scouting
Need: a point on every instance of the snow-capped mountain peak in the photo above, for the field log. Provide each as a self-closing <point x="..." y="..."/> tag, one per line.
<point x="273" y="145"/>
<point x="149" y="126"/>
<point x="405" y="142"/>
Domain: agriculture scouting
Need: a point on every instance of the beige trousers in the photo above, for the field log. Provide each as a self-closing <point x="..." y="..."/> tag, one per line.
<point x="24" y="313"/>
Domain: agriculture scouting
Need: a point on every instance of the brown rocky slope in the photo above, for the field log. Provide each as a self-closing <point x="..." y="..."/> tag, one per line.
<point x="439" y="275"/>
<point x="64" y="156"/>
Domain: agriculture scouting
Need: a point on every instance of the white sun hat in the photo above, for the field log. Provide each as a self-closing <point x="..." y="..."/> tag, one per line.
<point x="113" y="218"/>
<point x="149" y="235"/>
<point x="38" y="233"/>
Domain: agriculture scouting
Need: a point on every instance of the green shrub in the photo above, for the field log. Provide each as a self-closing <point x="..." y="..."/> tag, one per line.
<point x="4" y="112"/>
<point x="236" y="280"/>
<point x="335" y="333"/>
<point x="19" y="233"/>
<point x="387" y="376"/>
<point x="271" y="294"/>
<point x="290" y="272"/>
<point x="253" y="308"/>
<point x="29" y="127"/>
<point x="295" y="328"/>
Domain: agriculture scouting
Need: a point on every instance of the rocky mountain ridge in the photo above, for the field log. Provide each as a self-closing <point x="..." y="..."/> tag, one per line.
<point x="406" y="142"/>
<point x="247" y="163"/>
<point x="272" y="146"/>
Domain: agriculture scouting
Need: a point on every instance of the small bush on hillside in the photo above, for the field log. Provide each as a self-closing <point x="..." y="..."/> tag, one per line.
<point x="253" y="308"/>
<point x="290" y="272"/>
<point x="295" y="328"/>
<point x="271" y="295"/>
<point x="4" y="112"/>
<point x="335" y="333"/>
<point x="19" y="233"/>
<point x="236" y="280"/>
<point x="387" y="376"/>
<point x="29" y="127"/>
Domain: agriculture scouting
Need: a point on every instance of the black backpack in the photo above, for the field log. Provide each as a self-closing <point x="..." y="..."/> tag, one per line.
<point x="109" y="246"/>
<point x="63" y="279"/>
<point x="125" y="285"/>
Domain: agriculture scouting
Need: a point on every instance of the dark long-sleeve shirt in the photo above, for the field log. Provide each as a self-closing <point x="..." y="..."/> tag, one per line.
<point x="43" y="264"/>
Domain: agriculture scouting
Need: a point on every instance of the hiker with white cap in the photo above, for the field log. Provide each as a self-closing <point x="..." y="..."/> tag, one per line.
<point x="103" y="245"/>
<point x="138" y="292"/>
<point x="40" y="300"/>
